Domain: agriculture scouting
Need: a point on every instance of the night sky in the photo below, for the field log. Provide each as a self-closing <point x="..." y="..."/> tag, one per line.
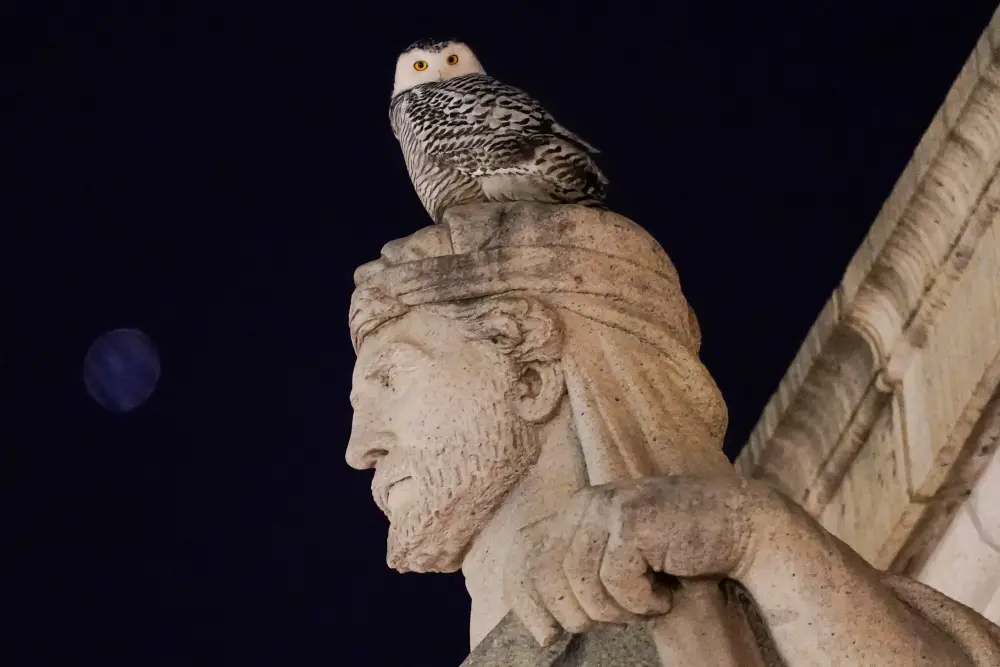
<point x="212" y="172"/>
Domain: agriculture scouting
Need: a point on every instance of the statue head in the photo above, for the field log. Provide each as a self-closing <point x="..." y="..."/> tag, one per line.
<point x="473" y="333"/>
<point x="446" y="397"/>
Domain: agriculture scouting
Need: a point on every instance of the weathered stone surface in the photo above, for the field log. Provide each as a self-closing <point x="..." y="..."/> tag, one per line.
<point x="873" y="498"/>
<point x="965" y="564"/>
<point x="992" y="611"/>
<point x="903" y="361"/>
<point x="529" y="393"/>
<point x="510" y="645"/>
<point x="960" y="348"/>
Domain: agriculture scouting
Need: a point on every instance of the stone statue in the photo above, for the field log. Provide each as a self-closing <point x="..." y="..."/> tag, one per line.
<point x="529" y="393"/>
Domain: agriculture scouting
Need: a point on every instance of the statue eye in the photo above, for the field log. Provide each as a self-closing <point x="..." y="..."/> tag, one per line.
<point x="420" y="65"/>
<point x="452" y="59"/>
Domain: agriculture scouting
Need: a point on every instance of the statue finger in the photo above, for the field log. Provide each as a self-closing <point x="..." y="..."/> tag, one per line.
<point x="531" y="611"/>
<point x="582" y="564"/>
<point x="546" y="567"/>
<point x="628" y="577"/>
<point x="524" y="600"/>
<point x="555" y="592"/>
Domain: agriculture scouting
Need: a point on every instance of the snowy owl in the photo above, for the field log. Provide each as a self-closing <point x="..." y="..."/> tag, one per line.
<point x="467" y="137"/>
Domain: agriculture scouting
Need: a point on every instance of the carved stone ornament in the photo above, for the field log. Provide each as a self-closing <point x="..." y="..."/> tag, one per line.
<point x="529" y="393"/>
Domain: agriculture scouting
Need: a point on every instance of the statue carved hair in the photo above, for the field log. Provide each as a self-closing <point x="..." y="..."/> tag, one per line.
<point x="541" y="283"/>
<point x="522" y="328"/>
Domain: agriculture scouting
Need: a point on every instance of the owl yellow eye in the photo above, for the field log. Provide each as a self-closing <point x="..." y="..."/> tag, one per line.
<point x="452" y="59"/>
<point x="420" y="65"/>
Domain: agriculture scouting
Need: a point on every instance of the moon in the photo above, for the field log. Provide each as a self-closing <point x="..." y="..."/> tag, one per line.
<point x="121" y="369"/>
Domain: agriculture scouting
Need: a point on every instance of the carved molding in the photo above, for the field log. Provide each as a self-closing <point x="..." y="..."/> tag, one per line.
<point x="982" y="446"/>
<point x="893" y="291"/>
<point x="938" y="214"/>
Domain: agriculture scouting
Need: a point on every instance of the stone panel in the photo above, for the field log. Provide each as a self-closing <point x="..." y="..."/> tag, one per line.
<point x="947" y="373"/>
<point x="966" y="81"/>
<point x="992" y="610"/>
<point x="872" y="501"/>
<point x="963" y="566"/>
<point x="985" y="503"/>
<point x="896" y="288"/>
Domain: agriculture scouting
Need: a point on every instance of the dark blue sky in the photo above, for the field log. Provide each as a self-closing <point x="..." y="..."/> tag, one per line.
<point x="212" y="172"/>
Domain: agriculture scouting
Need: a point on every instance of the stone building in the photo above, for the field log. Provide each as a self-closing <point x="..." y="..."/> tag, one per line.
<point x="886" y="425"/>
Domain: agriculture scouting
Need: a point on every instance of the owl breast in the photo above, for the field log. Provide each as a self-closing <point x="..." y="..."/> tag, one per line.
<point x="438" y="184"/>
<point x="474" y="139"/>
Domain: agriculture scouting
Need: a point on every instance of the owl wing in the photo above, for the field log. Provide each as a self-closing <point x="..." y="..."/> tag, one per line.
<point x="481" y="126"/>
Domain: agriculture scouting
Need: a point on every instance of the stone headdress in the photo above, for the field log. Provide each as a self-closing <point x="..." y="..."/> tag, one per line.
<point x="642" y="401"/>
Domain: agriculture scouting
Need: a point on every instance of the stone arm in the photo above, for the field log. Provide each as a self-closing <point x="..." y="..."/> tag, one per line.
<point x="821" y="602"/>
<point x="824" y="604"/>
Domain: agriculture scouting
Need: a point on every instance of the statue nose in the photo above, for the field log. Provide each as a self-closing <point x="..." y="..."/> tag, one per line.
<point x="365" y="450"/>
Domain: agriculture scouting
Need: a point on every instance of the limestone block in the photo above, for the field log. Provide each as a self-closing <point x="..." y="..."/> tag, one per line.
<point x="983" y="54"/>
<point x="607" y="645"/>
<point x="791" y="385"/>
<point x="930" y="145"/>
<point x="992" y="610"/>
<point x="944" y="378"/>
<point x="993" y="30"/>
<point x="959" y="94"/>
<point x="882" y="228"/>
<point x="984" y="504"/>
<point x="963" y="566"/>
<point x="872" y="502"/>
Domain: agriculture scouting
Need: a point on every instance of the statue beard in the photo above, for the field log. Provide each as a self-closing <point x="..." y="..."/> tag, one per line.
<point x="462" y="478"/>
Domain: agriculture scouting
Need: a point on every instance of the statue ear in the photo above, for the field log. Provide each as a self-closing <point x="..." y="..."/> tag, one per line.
<point x="538" y="390"/>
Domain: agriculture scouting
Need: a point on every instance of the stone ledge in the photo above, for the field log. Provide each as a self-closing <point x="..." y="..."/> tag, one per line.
<point x="944" y="121"/>
<point x="911" y="449"/>
<point x="981" y="451"/>
<point x="864" y="340"/>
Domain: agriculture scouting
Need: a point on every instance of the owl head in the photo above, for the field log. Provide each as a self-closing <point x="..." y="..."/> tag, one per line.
<point x="433" y="60"/>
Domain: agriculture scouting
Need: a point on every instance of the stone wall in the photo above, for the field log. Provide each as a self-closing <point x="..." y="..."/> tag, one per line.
<point x="889" y="415"/>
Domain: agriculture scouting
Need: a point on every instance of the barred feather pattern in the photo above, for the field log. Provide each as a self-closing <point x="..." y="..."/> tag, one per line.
<point x="472" y="138"/>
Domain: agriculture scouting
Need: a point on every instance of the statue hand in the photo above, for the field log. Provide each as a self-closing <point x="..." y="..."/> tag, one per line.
<point x="597" y="560"/>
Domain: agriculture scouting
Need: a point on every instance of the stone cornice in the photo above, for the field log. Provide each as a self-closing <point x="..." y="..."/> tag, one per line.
<point x="964" y="475"/>
<point x="893" y="289"/>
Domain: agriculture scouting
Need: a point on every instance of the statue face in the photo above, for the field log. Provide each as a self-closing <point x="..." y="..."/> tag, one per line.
<point x="434" y="417"/>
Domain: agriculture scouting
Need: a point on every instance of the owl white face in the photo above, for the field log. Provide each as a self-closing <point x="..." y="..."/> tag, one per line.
<point x="434" y="63"/>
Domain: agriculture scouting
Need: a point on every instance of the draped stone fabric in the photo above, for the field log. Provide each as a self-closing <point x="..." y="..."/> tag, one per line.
<point x="643" y="404"/>
<point x="620" y="302"/>
<point x="607" y="267"/>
